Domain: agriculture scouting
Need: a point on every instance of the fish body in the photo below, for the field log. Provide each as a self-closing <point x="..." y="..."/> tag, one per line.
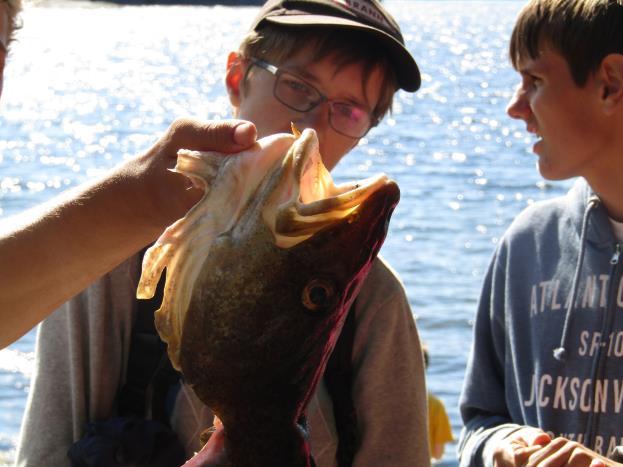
<point x="252" y="321"/>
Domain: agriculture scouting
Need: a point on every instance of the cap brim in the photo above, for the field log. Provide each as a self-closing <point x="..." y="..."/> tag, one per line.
<point x="407" y="71"/>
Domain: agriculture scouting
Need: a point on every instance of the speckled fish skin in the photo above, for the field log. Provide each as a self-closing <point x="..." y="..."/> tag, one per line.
<point x="251" y="349"/>
<point x="264" y="312"/>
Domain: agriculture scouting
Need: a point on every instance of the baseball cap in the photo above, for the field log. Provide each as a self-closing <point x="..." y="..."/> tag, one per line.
<point x="364" y="15"/>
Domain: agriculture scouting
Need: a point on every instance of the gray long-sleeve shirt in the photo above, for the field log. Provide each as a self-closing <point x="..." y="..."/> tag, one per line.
<point x="82" y="352"/>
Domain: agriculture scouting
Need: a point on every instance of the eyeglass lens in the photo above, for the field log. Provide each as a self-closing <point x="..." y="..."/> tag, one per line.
<point x="345" y="118"/>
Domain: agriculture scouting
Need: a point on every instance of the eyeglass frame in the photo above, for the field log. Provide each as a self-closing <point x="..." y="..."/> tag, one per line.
<point x="277" y="71"/>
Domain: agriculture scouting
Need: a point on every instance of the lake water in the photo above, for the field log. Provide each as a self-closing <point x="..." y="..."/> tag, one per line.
<point x="89" y="85"/>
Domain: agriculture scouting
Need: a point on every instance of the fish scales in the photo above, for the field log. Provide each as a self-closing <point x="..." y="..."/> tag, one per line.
<point x="255" y="313"/>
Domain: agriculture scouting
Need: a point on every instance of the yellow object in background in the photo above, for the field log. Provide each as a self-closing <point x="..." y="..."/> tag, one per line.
<point x="439" y="429"/>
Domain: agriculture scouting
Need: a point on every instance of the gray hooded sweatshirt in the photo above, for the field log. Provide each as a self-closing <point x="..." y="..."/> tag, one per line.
<point x="548" y="338"/>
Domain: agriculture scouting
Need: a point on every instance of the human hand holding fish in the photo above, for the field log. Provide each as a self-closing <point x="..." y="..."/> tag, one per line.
<point x="92" y="228"/>
<point x="165" y="192"/>
<point x="260" y="276"/>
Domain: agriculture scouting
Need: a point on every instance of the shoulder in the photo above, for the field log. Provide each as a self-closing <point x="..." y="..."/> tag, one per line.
<point x="382" y="281"/>
<point x="382" y="302"/>
<point x="550" y="217"/>
<point x="382" y="290"/>
<point x="538" y="216"/>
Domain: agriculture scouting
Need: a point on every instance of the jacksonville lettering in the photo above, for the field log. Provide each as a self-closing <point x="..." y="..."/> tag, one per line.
<point x="572" y="393"/>
<point x="593" y="294"/>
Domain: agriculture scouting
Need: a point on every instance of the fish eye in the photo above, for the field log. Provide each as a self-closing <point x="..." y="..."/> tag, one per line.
<point x="317" y="294"/>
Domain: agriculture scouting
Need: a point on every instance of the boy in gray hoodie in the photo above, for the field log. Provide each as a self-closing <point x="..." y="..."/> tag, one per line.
<point x="544" y="382"/>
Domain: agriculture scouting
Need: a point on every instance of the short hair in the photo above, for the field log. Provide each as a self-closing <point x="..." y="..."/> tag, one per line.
<point x="584" y="32"/>
<point x="277" y="43"/>
<point x="14" y="7"/>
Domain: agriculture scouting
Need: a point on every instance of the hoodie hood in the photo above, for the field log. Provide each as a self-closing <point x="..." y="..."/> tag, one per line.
<point x="598" y="230"/>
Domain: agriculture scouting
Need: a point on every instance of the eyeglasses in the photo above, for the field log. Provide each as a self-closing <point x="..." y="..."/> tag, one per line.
<point x="297" y="94"/>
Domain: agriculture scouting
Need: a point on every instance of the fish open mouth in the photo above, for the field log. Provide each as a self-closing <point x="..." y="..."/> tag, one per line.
<point x="293" y="193"/>
<point x="310" y="200"/>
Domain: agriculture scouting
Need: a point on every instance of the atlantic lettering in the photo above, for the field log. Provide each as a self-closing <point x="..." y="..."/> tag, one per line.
<point x="546" y="296"/>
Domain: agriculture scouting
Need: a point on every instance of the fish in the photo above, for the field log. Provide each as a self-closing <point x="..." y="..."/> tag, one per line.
<point x="260" y="275"/>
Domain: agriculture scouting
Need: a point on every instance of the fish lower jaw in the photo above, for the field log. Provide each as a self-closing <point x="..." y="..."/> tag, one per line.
<point x="295" y="221"/>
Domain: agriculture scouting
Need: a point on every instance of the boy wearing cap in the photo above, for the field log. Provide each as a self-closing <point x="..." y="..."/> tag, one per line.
<point x="333" y="65"/>
<point x="543" y="384"/>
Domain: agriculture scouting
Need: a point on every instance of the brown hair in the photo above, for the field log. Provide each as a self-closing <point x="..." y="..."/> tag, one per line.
<point x="582" y="31"/>
<point x="276" y="44"/>
<point x="13" y="9"/>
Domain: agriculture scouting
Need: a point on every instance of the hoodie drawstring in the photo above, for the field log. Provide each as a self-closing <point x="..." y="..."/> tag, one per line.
<point x="560" y="353"/>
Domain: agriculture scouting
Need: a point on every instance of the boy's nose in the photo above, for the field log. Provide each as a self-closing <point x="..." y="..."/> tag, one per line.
<point x="518" y="106"/>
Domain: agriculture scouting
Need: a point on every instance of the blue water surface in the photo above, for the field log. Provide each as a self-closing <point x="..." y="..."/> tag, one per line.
<point x="89" y="85"/>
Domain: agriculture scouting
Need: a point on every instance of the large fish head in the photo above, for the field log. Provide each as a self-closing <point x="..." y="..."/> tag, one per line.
<point x="259" y="284"/>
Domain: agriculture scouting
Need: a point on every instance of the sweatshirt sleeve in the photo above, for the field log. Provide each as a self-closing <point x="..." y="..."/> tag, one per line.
<point x="389" y="389"/>
<point x="80" y="360"/>
<point x="483" y="403"/>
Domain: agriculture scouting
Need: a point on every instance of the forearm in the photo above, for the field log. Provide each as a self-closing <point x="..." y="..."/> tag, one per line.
<point x="52" y="252"/>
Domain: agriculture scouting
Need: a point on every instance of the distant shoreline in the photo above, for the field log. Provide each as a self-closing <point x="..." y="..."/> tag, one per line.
<point x="183" y="2"/>
<point x="103" y="3"/>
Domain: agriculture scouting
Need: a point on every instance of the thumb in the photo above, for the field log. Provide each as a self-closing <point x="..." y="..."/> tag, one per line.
<point x="212" y="135"/>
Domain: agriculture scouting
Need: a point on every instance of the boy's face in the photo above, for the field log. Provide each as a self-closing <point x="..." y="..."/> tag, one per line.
<point x="254" y="99"/>
<point x="568" y="120"/>
<point x="5" y="32"/>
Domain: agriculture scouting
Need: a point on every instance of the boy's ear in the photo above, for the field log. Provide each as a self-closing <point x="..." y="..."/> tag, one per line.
<point x="611" y="71"/>
<point x="233" y="78"/>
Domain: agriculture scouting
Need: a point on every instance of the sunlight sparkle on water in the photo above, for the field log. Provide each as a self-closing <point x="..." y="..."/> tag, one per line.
<point x="14" y="361"/>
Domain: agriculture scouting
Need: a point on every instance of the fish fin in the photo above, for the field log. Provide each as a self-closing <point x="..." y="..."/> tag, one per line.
<point x="154" y="262"/>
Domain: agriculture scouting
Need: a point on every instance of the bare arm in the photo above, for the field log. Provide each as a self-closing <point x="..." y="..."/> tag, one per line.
<point x="50" y="253"/>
